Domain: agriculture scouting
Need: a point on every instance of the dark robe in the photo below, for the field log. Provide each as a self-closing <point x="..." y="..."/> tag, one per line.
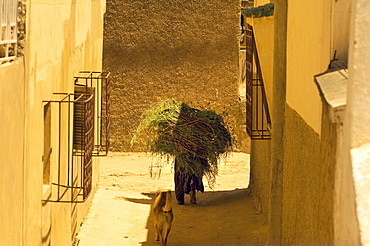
<point x="186" y="182"/>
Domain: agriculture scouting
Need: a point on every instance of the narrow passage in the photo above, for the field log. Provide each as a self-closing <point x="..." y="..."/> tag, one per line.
<point x="120" y="211"/>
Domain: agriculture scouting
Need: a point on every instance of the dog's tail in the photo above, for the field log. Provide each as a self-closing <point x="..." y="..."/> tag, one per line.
<point x="167" y="207"/>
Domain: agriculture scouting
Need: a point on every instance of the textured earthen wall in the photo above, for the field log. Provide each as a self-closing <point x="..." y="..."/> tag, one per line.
<point x="186" y="50"/>
<point x="329" y="142"/>
<point x="261" y="169"/>
<point x="309" y="172"/>
<point x="301" y="182"/>
<point x="304" y="140"/>
<point x="260" y="175"/>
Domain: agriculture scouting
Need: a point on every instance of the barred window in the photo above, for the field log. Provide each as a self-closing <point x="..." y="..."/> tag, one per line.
<point x="258" y="114"/>
<point x="8" y="32"/>
<point x="79" y="118"/>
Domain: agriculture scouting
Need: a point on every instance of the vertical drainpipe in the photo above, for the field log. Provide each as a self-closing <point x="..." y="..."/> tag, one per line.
<point x="278" y="122"/>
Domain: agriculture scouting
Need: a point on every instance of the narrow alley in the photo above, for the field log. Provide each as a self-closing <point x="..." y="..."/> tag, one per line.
<point x="120" y="211"/>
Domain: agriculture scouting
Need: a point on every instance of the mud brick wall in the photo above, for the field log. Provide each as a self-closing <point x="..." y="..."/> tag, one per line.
<point x="186" y="50"/>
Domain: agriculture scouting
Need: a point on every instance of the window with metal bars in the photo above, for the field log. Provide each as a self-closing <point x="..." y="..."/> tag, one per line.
<point x="8" y="31"/>
<point x="78" y="115"/>
<point x="101" y="82"/>
<point x="258" y="115"/>
<point x="74" y="115"/>
<point x="83" y="136"/>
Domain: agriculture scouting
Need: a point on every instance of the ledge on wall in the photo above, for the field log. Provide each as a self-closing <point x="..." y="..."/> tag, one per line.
<point x="333" y="90"/>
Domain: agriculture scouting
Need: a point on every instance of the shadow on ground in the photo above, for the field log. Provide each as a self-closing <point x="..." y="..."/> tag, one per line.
<point x="219" y="218"/>
<point x="120" y="211"/>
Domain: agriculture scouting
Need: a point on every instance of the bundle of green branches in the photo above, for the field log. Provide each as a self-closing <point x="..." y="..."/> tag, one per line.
<point x="190" y="135"/>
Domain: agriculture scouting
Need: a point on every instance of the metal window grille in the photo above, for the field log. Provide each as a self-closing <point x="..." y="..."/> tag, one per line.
<point x="75" y="134"/>
<point x="258" y="115"/>
<point x="8" y="32"/>
<point x="76" y="124"/>
<point x="83" y="137"/>
<point x="101" y="82"/>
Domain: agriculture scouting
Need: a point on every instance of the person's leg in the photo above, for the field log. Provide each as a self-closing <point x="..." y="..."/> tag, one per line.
<point x="193" y="199"/>
<point x="179" y="185"/>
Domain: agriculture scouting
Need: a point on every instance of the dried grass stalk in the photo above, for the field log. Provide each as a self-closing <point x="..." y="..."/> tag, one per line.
<point x="189" y="134"/>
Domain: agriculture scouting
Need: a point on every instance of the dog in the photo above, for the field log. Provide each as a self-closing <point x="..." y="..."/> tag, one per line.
<point x="163" y="215"/>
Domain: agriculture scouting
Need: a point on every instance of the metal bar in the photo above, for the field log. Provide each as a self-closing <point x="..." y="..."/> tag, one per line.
<point x="259" y="74"/>
<point x="77" y="160"/>
<point x="107" y="112"/>
<point x="84" y="152"/>
<point x="63" y="193"/>
<point x="99" y="90"/>
<point x="65" y="186"/>
<point x="249" y="78"/>
<point x="256" y="100"/>
<point x="100" y="74"/>
<point x="59" y="143"/>
<point x="262" y="115"/>
<point x="101" y="82"/>
<point x="70" y="165"/>
<point x="89" y="144"/>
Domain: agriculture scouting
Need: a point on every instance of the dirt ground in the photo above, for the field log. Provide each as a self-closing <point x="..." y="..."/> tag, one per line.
<point x="120" y="211"/>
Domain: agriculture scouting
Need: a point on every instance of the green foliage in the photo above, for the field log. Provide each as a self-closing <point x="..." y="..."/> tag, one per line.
<point x="173" y="128"/>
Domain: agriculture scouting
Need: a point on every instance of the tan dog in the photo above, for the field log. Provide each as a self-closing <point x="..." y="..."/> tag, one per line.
<point x="163" y="216"/>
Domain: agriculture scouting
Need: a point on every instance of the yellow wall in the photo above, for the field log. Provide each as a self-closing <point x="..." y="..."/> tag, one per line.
<point x="308" y="54"/>
<point x="264" y="35"/>
<point x="11" y="144"/>
<point x="304" y="173"/>
<point x="319" y="190"/>
<point x="301" y="198"/>
<point x="62" y="38"/>
<point x="262" y="2"/>
<point x="261" y="150"/>
<point x="341" y="29"/>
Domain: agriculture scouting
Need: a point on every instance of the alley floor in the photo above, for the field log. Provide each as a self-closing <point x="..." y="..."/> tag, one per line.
<point x="120" y="210"/>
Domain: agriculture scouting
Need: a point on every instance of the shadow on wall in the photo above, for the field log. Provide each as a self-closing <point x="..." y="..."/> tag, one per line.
<point x="219" y="218"/>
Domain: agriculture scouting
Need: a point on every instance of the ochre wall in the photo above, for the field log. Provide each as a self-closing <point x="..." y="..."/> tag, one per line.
<point x="186" y="50"/>
<point x="308" y="181"/>
<point x="301" y="182"/>
<point x="341" y="29"/>
<point x="260" y="184"/>
<point x="261" y="2"/>
<point x="319" y="193"/>
<point x="62" y="38"/>
<point x="264" y="35"/>
<point x="329" y="153"/>
<point x="308" y="171"/>
<point x="260" y="175"/>
<point x="308" y="54"/>
<point x="11" y="144"/>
